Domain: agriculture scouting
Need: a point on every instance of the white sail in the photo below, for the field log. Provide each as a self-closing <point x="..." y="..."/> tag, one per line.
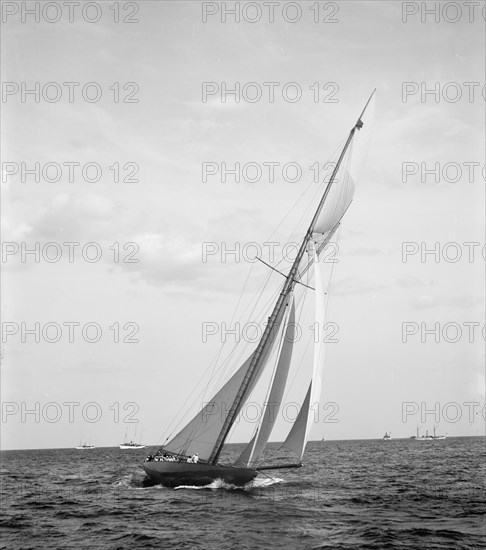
<point x="255" y="448"/>
<point x="338" y="200"/>
<point x="299" y="434"/>
<point x="342" y="190"/>
<point x="296" y="441"/>
<point x="201" y="433"/>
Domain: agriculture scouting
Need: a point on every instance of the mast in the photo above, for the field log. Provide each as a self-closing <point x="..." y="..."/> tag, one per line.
<point x="279" y="308"/>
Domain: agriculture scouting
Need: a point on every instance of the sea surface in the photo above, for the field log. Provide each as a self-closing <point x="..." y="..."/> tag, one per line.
<point x="351" y="494"/>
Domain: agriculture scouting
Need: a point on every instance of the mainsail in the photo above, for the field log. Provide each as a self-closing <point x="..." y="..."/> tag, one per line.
<point x="201" y="434"/>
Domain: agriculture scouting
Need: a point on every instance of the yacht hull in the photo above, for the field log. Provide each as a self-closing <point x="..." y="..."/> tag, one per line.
<point x="174" y="474"/>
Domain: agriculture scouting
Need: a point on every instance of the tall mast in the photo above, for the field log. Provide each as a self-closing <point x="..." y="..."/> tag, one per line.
<point x="279" y="308"/>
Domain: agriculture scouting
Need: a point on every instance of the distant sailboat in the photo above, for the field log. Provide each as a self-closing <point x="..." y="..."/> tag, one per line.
<point x="191" y="457"/>
<point x="84" y="446"/>
<point x="387" y="436"/>
<point x="436" y="437"/>
<point x="428" y="437"/>
<point x="131" y="444"/>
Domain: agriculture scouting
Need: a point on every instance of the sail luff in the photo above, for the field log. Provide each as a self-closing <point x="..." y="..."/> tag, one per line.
<point x="320" y="316"/>
<point x="277" y="312"/>
<point x="299" y="434"/>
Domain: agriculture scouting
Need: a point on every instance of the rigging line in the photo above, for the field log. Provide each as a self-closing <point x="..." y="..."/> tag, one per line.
<point x="320" y="186"/>
<point x="283" y="275"/>
<point x="198" y="397"/>
<point x="268" y="265"/>
<point x="309" y="207"/>
<point x="227" y="361"/>
<point x="224" y="366"/>
<point x="267" y="280"/>
<point x="236" y="345"/>
<point x="311" y="202"/>
<point x="264" y="309"/>
<point x="256" y="298"/>
<point x="218" y="355"/>
<point x="176" y="421"/>
<point x="294" y="205"/>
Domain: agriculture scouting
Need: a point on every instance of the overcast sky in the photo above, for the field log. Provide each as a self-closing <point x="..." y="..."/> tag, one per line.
<point x="371" y="374"/>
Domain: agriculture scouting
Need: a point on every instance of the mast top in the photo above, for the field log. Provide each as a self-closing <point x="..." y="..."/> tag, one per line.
<point x="359" y="123"/>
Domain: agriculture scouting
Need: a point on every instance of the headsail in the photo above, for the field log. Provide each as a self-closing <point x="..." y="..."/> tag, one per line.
<point x="255" y="448"/>
<point x="299" y="434"/>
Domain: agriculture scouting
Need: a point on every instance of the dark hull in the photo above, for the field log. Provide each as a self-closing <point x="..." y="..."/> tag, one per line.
<point x="174" y="474"/>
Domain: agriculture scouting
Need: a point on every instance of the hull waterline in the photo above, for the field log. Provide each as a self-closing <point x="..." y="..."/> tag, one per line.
<point x="174" y="474"/>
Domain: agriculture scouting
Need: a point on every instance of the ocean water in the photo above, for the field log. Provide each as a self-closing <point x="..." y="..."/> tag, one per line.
<point x="351" y="494"/>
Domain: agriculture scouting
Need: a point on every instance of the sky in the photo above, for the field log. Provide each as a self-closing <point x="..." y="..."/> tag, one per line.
<point x="153" y="119"/>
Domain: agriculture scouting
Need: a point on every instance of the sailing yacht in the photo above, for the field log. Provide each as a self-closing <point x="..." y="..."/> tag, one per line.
<point x="387" y="436"/>
<point x="436" y="437"/>
<point x="428" y="437"/>
<point x="84" y="446"/>
<point x="192" y="456"/>
<point x="131" y="444"/>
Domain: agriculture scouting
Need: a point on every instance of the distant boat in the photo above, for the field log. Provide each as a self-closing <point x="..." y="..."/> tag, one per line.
<point x="85" y="446"/>
<point x="437" y="436"/>
<point x="387" y="436"/>
<point x="132" y="445"/>
<point x="427" y="437"/>
<point x="191" y="456"/>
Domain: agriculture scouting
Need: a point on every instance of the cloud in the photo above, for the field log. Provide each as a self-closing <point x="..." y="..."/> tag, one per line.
<point x="175" y="263"/>
<point x="409" y="281"/>
<point x="367" y="251"/>
<point x="75" y="218"/>
<point x="355" y="285"/>
<point x="461" y="301"/>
